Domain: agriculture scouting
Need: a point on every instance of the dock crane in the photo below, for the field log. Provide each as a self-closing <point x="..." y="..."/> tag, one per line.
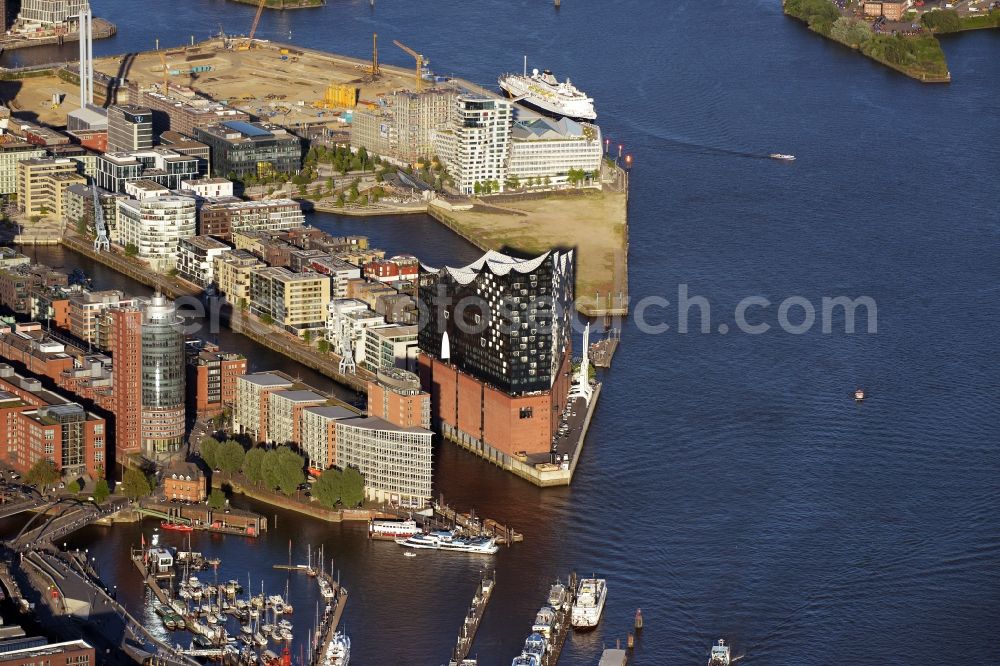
<point x="101" y="240"/>
<point x="421" y="62"/>
<point x="166" y="73"/>
<point x="245" y="45"/>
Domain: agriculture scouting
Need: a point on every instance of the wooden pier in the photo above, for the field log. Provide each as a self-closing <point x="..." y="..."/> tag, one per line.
<point x="470" y="524"/>
<point x="472" y="619"/>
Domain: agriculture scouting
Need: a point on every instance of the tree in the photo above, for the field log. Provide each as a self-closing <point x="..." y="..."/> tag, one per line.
<point x="266" y="319"/>
<point x="243" y="304"/>
<point x="340" y="200"/>
<point x="353" y="490"/>
<point x="81" y="226"/>
<point x="328" y="488"/>
<point x="131" y="250"/>
<point x="362" y="155"/>
<point x="217" y="499"/>
<point x="135" y="484"/>
<point x="323" y="346"/>
<point x="477" y="188"/>
<point x="74" y="486"/>
<point x="307" y="337"/>
<point x="229" y="457"/>
<point x="282" y="469"/>
<point x="101" y="491"/>
<point x="253" y="464"/>
<point x="945" y="20"/>
<point x="43" y="473"/>
<point x="210" y="451"/>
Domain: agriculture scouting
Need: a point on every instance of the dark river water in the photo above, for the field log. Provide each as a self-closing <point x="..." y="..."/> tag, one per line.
<point x="730" y="486"/>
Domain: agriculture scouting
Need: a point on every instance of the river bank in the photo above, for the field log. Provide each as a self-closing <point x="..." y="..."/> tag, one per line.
<point x="236" y="484"/>
<point x="284" y="4"/>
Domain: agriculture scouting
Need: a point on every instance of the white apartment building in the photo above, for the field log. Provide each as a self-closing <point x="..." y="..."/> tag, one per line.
<point x="208" y="187"/>
<point x="250" y="411"/>
<point x="318" y="436"/>
<point x="155" y="227"/>
<point x="475" y="146"/>
<point x="196" y="257"/>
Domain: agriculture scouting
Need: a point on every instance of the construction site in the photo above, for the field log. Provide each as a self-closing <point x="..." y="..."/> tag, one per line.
<point x="280" y="83"/>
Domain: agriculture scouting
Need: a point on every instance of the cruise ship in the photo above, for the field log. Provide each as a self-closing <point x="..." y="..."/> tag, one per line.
<point x="591" y="593"/>
<point x="448" y="541"/>
<point x="543" y="92"/>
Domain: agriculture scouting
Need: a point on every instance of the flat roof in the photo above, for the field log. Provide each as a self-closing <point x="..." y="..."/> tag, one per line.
<point x="332" y="412"/>
<point x="266" y="379"/>
<point x="246" y="128"/>
<point x="375" y="423"/>
<point x="301" y="395"/>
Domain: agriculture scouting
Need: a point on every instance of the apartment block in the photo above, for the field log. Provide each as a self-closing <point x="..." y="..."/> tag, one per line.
<point x="295" y="301"/>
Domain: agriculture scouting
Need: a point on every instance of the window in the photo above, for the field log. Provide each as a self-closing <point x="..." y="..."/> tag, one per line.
<point x="526" y="412"/>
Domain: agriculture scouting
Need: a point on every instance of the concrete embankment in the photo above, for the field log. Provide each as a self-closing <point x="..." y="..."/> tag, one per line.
<point x="238" y="485"/>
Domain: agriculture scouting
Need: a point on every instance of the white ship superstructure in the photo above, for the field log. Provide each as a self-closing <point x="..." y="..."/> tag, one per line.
<point x="543" y="91"/>
<point x="591" y="593"/>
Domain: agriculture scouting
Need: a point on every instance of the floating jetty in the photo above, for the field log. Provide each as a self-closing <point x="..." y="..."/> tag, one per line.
<point x="472" y="619"/>
<point x="330" y="619"/>
<point x="474" y="526"/>
<point x="602" y="351"/>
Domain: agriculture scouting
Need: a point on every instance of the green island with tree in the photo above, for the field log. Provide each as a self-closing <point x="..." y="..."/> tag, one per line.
<point x="919" y="56"/>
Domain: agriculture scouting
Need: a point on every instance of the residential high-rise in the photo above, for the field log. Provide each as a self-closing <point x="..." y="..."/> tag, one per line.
<point x="130" y="128"/>
<point x="402" y="126"/>
<point x="126" y="352"/>
<point x="295" y="301"/>
<point x="496" y="350"/>
<point x="475" y="145"/>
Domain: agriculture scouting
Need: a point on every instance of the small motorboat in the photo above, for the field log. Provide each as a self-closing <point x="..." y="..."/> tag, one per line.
<point x="782" y="156"/>
<point x="409" y="553"/>
<point x="859" y="395"/>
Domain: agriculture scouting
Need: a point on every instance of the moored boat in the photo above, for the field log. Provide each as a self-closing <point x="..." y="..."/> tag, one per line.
<point x="782" y="156"/>
<point x="176" y="527"/>
<point x="591" y="593"/>
<point x="444" y="540"/>
<point x="338" y="652"/>
<point x="557" y="595"/>
<point x="392" y="529"/>
<point x="545" y="621"/>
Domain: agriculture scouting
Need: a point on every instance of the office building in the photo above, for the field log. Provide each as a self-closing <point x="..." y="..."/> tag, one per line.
<point x="183" y="481"/>
<point x="250" y="412"/>
<point x="42" y="185"/>
<point x="130" y="128"/>
<point x="148" y="351"/>
<point x="223" y="219"/>
<point x="10" y="155"/>
<point x="498" y="366"/>
<point x="182" y="115"/>
<point x="295" y="301"/>
<point x="161" y="165"/>
<point x="389" y="346"/>
<point x="155" y="228"/>
<point x="47" y="13"/>
<point x="240" y="148"/>
<point x="86" y="310"/>
<point x="208" y="187"/>
<point x="38" y="424"/>
<point x="395" y="461"/>
<point x="284" y="413"/>
<point x="196" y="258"/>
<point x="402" y="124"/>
<point x="211" y="378"/>
<point x="544" y="150"/>
<point x="475" y="145"/>
<point x="232" y="271"/>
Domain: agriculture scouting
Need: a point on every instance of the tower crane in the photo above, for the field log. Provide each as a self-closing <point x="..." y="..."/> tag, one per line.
<point x="245" y="46"/>
<point x="166" y="73"/>
<point x="374" y="70"/>
<point x="421" y="62"/>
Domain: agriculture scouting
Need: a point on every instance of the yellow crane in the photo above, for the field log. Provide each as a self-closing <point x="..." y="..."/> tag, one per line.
<point x="421" y="61"/>
<point x="245" y="45"/>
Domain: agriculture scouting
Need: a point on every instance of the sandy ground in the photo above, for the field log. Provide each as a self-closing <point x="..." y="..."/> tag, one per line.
<point x="31" y="99"/>
<point x="593" y="223"/>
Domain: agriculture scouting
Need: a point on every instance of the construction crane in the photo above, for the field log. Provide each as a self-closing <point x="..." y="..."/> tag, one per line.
<point x="421" y="62"/>
<point x="245" y="46"/>
<point x="101" y="241"/>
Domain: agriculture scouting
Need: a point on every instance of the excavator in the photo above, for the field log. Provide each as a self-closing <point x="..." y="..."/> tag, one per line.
<point x="247" y="43"/>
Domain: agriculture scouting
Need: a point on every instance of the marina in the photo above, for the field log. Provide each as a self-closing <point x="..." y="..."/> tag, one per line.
<point x="548" y="634"/>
